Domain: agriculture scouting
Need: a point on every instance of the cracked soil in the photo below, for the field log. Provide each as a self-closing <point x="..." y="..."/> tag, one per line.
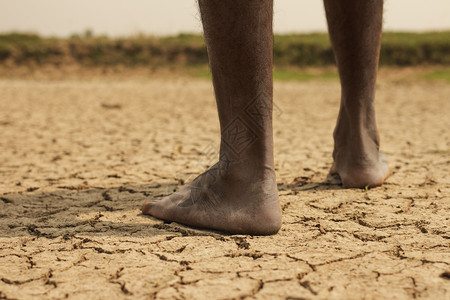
<point x="80" y="155"/>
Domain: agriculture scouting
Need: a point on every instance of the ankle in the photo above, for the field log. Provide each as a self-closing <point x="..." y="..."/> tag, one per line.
<point x="248" y="171"/>
<point x="356" y="128"/>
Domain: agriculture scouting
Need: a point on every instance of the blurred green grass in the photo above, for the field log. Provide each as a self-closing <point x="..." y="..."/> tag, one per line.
<point x="438" y="75"/>
<point x="188" y="50"/>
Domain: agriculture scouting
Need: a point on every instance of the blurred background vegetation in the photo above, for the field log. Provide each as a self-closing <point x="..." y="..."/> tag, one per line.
<point x="189" y="50"/>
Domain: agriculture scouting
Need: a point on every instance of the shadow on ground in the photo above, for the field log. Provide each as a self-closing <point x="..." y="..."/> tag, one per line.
<point x="114" y="211"/>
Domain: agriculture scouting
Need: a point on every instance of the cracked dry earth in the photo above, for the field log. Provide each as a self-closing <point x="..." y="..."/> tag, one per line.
<point x="79" y="156"/>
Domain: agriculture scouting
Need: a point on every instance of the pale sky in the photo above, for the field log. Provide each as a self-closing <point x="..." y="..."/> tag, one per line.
<point x="161" y="17"/>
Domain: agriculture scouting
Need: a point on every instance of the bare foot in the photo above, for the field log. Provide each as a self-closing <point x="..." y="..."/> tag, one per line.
<point x="226" y="198"/>
<point x="360" y="164"/>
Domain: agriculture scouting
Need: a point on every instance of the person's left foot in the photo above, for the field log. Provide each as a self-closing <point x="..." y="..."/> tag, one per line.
<point x="224" y="198"/>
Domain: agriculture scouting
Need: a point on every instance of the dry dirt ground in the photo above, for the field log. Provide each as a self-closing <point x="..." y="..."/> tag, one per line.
<point x="78" y="156"/>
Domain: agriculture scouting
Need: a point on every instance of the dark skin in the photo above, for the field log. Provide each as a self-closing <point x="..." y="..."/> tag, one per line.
<point x="239" y="193"/>
<point x="355" y="33"/>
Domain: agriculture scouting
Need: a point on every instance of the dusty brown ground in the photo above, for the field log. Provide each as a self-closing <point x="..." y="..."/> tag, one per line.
<point x="78" y="157"/>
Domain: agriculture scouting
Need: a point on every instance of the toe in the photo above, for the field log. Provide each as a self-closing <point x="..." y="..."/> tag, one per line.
<point x="147" y="207"/>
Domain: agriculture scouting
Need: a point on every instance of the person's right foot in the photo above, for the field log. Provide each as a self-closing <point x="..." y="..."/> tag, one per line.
<point x="357" y="160"/>
<point x="357" y="174"/>
<point x="225" y="198"/>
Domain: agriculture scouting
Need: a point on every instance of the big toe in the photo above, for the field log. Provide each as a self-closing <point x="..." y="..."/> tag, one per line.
<point x="147" y="207"/>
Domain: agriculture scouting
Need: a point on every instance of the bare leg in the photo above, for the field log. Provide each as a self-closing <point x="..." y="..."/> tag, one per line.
<point x="355" y="33"/>
<point x="239" y="193"/>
